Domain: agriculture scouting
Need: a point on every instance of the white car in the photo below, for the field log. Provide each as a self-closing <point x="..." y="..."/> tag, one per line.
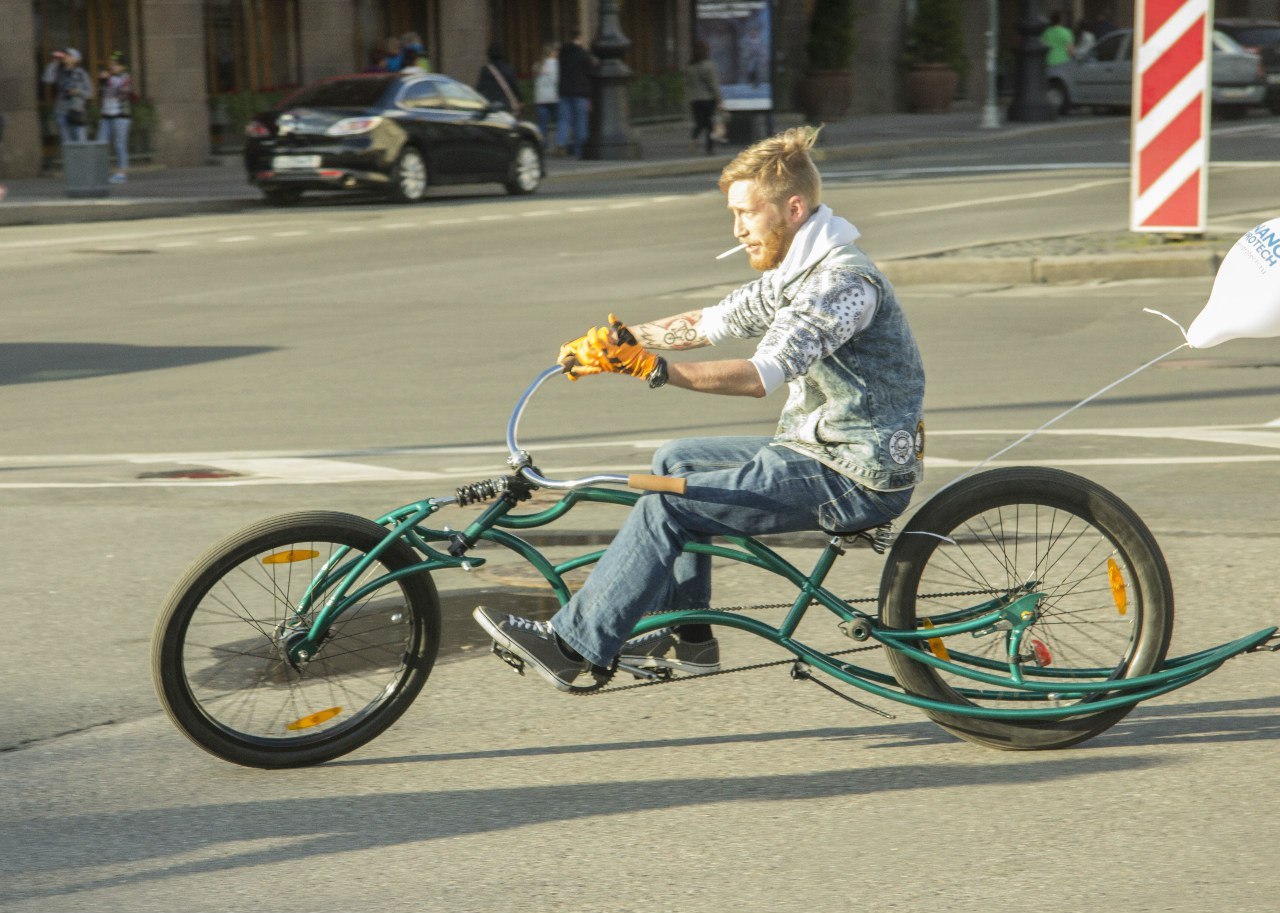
<point x="1103" y="77"/>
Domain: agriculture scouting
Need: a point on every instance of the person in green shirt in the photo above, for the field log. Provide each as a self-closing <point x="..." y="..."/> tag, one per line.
<point x="1059" y="40"/>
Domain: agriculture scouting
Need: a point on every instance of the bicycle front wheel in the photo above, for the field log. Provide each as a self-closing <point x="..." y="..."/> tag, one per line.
<point x="219" y="654"/>
<point x="1105" y="613"/>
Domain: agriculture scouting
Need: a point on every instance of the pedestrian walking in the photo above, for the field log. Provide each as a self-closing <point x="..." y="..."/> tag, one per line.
<point x="1059" y="40"/>
<point x="116" y="87"/>
<point x="413" y="54"/>
<point x="546" y="92"/>
<point x="497" y="81"/>
<point x="702" y="89"/>
<point x="575" y="95"/>
<point x="72" y="89"/>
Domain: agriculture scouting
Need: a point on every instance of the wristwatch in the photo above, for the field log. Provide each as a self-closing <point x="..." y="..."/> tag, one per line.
<point x="658" y="376"/>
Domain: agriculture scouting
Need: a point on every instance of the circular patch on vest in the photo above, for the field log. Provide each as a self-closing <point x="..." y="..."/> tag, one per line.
<point x="902" y="446"/>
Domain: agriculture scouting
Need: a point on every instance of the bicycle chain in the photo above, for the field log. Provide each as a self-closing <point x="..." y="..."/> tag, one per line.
<point x="604" y="686"/>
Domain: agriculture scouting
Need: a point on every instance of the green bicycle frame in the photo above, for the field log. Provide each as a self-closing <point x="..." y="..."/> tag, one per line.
<point x="334" y="590"/>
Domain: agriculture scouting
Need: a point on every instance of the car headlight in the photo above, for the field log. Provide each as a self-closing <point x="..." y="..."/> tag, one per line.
<point x="350" y="126"/>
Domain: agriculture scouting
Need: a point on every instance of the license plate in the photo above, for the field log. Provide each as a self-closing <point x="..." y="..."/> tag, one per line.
<point x="287" y="162"/>
<point x="1235" y="93"/>
<point x="1273" y="78"/>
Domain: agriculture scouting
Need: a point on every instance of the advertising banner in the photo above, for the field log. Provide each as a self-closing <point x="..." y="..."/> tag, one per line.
<point x="740" y="35"/>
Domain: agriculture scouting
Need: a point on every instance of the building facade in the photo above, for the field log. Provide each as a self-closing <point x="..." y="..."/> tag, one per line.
<point x="201" y="67"/>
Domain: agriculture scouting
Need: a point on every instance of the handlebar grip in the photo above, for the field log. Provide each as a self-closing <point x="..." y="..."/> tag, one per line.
<point x="672" y="484"/>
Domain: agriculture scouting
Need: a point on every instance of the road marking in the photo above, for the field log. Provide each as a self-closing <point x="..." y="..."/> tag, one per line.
<point x="347" y="228"/>
<point x="296" y="233"/>
<point x="168" y="244"/>
<point x="348" y="467"/>
<point x="1009" y="198"/>
<point x="236" y="239"/>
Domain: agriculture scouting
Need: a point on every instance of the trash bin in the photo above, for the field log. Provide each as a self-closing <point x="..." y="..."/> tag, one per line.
<point x="85" y="168"/>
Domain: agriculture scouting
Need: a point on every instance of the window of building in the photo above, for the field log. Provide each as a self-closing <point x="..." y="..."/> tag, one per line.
<point x="95" y="28"/>
<point x="251" y="45"/>
<point x="378" y="22"/>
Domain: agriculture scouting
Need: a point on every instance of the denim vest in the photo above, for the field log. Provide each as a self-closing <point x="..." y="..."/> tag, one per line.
<point x="860" y="410"/>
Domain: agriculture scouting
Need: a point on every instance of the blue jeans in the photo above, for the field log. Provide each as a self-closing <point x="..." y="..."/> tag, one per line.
<point x="115" y="130"/>
<point x="546" y="118"/>
<point x="573" y="116"/>
<point x="737" y="485"/>
<point x="70" y="133"/>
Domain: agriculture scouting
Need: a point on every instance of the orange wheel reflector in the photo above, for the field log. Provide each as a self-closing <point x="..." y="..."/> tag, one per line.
<point x="1119" y="591"/>
<point x="936" y="646"/>
<point x="314" y="719"/>
<point x="289" y="557"/>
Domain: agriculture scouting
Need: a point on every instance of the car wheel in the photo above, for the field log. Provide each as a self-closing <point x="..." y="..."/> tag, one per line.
<point x="409" y="177"/>
<point x="282" y="196"/>
<point x="1058" y="98"/>
<point x="526" y="170"/>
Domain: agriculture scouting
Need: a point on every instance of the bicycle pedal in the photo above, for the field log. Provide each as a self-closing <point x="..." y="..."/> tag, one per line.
<point x="659" y="674"/>
<point x="508" y="657"/>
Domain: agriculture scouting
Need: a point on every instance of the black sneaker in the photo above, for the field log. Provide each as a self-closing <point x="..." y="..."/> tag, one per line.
<point x="532" y="641"/>
<point x="662" y="649"/>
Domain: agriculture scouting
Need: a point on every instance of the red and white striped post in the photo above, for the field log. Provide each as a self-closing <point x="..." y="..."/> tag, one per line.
<point x="1169" y="168"/>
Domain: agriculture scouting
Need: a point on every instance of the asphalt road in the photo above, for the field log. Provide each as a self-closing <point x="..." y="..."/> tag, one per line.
<point x="361" y="357"/>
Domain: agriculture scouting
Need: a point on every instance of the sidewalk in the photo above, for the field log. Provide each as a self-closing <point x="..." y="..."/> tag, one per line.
<point x="221" y="186"/>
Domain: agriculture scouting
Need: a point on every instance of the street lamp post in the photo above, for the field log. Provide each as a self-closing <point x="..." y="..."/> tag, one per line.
<point x="991" y="107"/>
<point x="1030" y="102"/>
<point x="611" y="115"/>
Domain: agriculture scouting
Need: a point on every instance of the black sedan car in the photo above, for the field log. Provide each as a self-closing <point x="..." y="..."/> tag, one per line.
<point x="391" y="132"/>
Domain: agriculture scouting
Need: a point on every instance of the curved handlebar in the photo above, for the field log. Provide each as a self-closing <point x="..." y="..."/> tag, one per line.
<point x="521" y="462"/>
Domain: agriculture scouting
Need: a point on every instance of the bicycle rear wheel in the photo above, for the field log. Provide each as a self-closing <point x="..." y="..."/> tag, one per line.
<point x="219" y="651"/>
<point x="1106" y="611"/>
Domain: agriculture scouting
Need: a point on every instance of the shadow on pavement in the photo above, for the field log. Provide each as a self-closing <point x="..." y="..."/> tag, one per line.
<point x="39" y="362"/>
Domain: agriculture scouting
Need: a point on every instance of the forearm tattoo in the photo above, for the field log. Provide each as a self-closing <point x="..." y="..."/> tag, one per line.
<point x="683" y="331"/>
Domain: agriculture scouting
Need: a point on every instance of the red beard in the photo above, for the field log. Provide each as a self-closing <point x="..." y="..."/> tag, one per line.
<point x="773" y="248"/>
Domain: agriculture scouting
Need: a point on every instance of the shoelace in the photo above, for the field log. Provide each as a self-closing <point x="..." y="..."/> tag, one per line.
<point x="540" y="628"/>
<point x="646" y="639"/>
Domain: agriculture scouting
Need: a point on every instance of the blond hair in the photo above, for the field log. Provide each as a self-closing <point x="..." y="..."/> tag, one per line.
<point x="780" y="167"/>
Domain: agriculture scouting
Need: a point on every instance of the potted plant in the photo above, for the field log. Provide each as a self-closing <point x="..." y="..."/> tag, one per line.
<point x="826" y="90"/>
<point x="935" y="55"/>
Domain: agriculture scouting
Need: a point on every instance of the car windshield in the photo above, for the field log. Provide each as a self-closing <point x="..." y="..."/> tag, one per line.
<point x="362" y="92"/>
<point x="1224" y="42"/>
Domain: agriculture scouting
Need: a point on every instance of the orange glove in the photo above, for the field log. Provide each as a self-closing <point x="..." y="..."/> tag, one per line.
<point x="612" y="349"/>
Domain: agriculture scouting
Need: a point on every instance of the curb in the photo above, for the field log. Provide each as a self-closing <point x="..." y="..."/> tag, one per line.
<point x="58" y="212"/>
<point x="1048" y="270"/>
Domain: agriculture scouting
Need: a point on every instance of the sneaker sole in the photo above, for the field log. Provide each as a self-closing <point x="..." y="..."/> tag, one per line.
<point x="511" y="646"/>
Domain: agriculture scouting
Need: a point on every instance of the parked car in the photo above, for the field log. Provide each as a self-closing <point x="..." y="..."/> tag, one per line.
<point x="1103" y="77"/>
<point x="1262" y="37"/>
<point x="390" y="132"/>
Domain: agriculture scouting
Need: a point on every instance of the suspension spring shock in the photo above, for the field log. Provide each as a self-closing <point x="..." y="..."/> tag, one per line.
<point x="485" y="490"/>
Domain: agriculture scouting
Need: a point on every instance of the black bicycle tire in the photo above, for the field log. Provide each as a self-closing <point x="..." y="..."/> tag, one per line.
<point x="176" y="694"/>
<point x="1002" y="488"/>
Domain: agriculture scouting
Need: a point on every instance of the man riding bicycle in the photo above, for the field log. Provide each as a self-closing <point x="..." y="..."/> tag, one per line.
<point x="846" y="454"/>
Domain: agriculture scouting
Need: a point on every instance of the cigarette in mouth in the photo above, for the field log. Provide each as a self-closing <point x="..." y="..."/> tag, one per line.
<point x="730" y="253"/>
